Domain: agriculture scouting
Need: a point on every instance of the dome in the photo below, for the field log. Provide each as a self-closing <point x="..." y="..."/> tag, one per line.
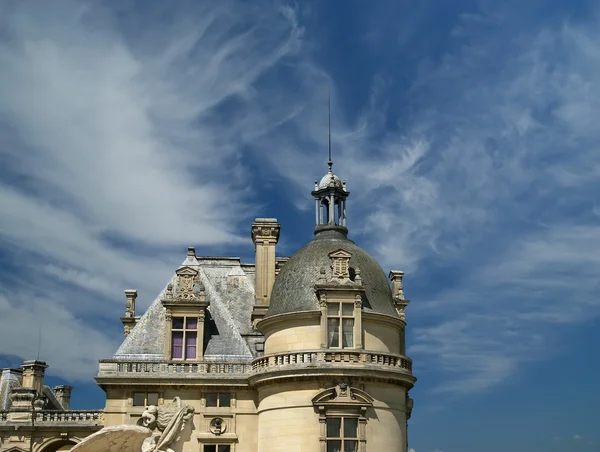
<point x="330" y="180"/>
<point x="294" y="287"/>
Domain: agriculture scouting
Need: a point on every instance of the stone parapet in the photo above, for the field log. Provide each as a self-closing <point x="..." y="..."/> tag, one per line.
<point x="55" y="418"/>
<point x="310" y="364"/>
<point x="342" y="357"/>
<point x="135" y="370"/>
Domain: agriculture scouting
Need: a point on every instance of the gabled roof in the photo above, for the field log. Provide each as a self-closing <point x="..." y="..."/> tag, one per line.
<point x="229" y="291"/>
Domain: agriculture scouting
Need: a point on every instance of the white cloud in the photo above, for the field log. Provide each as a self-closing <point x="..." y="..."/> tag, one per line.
<point x="118" y="149"/>
<point x="577" y="437"/>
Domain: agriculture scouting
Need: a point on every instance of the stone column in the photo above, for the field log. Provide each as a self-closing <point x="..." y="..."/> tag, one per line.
<point x="265" y="235"/>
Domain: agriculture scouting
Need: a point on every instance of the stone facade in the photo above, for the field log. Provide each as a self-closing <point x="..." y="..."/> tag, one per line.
<point x="301" y="354"/>
<point x="35" y="418"/>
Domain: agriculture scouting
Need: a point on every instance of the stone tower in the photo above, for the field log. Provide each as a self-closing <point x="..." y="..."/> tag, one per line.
<point x="334" y="373"/>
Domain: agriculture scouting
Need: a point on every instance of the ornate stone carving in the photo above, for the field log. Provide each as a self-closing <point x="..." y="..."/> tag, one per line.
<point x="358" y="300"/>
<point x="323" y="300"/>
<point x="169" y="420"/>
<point x="398" y="292"/>
<point x="340" y="264"/>
<point x="168" y="315"/>
<point x="217" y="426"/>
<point x="130" y="296"/>
<point x="265" y="229"/>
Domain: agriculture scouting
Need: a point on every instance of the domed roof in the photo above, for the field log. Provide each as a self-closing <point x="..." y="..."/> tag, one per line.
<point x="330" y="180"/>
<point x="294" y="287"/>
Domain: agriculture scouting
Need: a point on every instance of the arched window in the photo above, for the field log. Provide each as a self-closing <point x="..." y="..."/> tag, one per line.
<point x="342" y="415"/>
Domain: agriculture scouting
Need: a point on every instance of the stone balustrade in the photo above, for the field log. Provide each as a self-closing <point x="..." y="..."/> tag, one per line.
<point x="173" y="370"/>
<point x="55" y="417"/>
<point x="185" y="370"/>
<point x="69" y="417"/>
<point x="320" y="357"/>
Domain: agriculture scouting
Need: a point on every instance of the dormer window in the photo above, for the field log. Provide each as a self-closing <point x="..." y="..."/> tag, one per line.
<point x="340" y="325"/>
<point x="184" y="337"/>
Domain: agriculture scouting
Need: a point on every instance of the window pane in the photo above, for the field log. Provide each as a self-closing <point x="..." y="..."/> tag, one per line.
<point x="347" y="308"/>
<point x="333" y="309"/>
<point x="210" y="448"/>
<point x="139" y="399"/>
<point x="334" y="427"/>
<point x="350" y="427"/>
<point x="347" y="332"/>
<point x="177" y="344"/>
<point x="211" y="399"/>
<point x="224" y="399"/>
<point x="350" y="446"/>
<point x="333" y="332"/>
<point x="177" y="323"/>
<point x="190" y="346"/>
<point x="224" y="448"/>
<point x="152" y="398"/>
<point x="334" y="446"/>
<point x="191" y="323"/>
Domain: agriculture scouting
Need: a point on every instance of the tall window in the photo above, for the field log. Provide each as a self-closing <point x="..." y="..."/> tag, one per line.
<point x="342" y="434"/>
<point x="184" y="337"/>
<point x="340" y="325"/>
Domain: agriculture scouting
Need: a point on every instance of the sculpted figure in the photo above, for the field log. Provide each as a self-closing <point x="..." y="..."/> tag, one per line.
<point x="170" y="420"/>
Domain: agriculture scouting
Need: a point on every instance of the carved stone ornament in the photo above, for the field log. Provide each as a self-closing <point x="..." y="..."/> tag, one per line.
<point x="323" y="300"/>
<point x="217" y="426"/>
<point x="169" y="420"/>
<point x="340" y="264"/>
<point x="168" y="315"/>
<point x="266" y="231"/>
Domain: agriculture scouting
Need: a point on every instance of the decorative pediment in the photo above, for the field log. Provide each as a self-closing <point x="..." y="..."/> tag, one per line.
<point x="342" y="395"/>
<point x="340" y="264"/>
<point x="187" y="288"/>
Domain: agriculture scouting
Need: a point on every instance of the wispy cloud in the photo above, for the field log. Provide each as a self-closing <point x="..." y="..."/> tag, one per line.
<point x="118" y="148"/>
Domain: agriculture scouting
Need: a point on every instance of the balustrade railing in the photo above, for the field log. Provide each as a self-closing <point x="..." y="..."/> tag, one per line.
<point x="314" y="358"/>
<point x="45" y="417"/>
<point x="69" y="416"/>
<point x="173" y="369"/>
<point x="264" y="363"/>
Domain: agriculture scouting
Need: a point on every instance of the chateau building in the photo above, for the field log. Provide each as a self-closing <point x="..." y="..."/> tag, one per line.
<point x="34" y="417"/>
<point x="305" y="353"/>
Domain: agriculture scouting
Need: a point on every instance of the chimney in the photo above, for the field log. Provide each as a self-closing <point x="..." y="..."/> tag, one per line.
<point x="129" y="320"/>
<point x="33" y="374"/>
<point x="265" y="235"/>
<point x="63" y="394"/>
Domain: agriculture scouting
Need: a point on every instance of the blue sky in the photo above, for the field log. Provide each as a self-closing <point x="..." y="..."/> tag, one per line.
<point x="466" y="131"/>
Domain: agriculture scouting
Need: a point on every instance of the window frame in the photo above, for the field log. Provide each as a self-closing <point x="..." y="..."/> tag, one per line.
<point x="146" y="393"/>
<point x="218" y="405"/>
<point x="217" y="446"/>
<point x="340" y="316"/>
<point x="342" y="439"/>
<point x="184" y="332"/>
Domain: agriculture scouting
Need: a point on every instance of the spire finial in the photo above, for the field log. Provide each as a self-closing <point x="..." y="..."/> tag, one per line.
<point x="330" y="163"/>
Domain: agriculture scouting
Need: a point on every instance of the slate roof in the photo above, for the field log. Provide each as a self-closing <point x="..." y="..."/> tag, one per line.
<point x="294" y="288"/>
<point x="229" y="290"/>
